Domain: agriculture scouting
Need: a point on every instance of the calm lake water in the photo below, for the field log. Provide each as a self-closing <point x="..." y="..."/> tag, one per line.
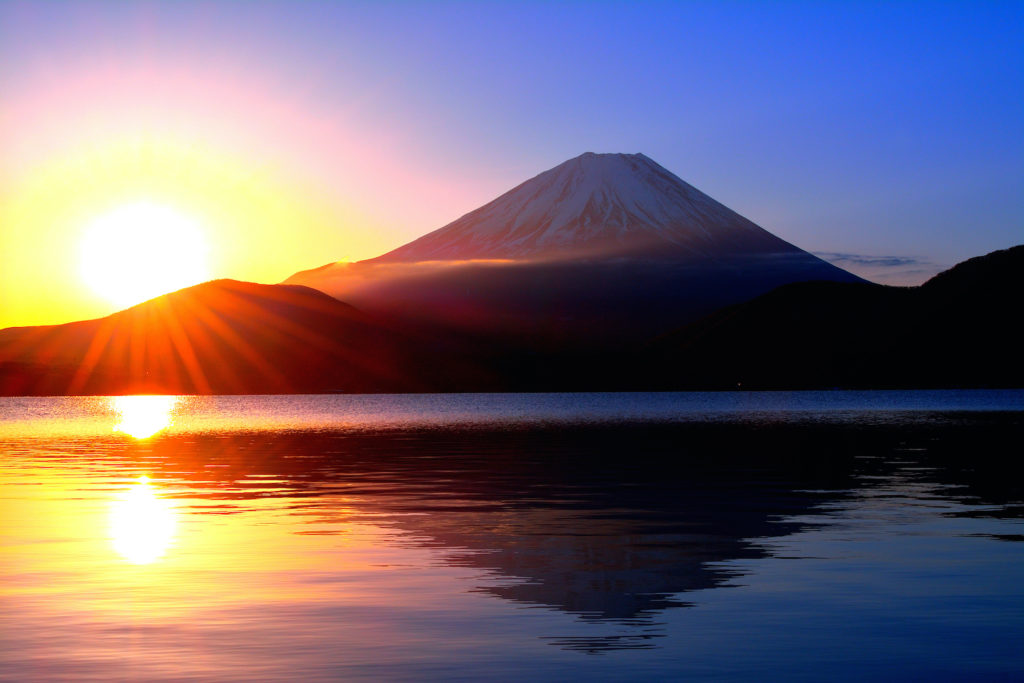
<point x="728" y="536"/>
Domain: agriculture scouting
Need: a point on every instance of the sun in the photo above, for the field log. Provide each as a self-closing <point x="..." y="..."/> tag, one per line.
<point x="142" y="250"/>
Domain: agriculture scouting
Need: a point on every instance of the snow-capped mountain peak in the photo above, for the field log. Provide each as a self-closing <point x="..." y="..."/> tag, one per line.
<point x="595" y="206"/>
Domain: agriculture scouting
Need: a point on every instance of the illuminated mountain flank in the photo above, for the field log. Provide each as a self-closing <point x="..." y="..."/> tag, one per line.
<point x="594" y="206"/>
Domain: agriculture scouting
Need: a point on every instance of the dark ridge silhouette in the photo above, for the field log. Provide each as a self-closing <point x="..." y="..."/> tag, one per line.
<point x="959" y="329"/>
<point x="988" y="275"/>
<point x="219" y="337"/>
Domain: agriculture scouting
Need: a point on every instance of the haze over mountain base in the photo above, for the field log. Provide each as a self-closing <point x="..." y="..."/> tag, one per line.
<point x="611" y="303"/>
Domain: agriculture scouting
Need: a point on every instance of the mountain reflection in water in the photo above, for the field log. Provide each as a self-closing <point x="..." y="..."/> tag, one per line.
<point x="606" y="524"/>
<point x="612" y="525"/>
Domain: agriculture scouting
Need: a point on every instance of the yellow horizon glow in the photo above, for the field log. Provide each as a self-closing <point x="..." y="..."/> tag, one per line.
<point x="255" y="227"/>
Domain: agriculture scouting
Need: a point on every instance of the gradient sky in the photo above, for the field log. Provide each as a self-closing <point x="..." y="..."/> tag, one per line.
<point x="887" y="136"/>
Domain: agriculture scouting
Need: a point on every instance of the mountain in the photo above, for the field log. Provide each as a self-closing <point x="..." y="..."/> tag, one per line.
<point x="604" y="249"/>
<point x="958" y="329"/>
<point x="221" y="337"/>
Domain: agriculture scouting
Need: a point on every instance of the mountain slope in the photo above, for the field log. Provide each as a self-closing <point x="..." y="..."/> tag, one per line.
<point x="219" y="337"/>
<point x="958" y="329"/>
<point x="597" y="206"/>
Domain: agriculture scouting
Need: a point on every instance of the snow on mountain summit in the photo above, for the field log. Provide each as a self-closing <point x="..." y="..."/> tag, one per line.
<point x="595" y="206"/>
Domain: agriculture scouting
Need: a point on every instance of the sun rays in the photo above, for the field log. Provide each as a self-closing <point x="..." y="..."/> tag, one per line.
<point x="219" y="337"/>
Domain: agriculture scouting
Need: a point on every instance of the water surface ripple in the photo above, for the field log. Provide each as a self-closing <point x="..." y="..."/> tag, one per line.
<point x="734" y="536"/>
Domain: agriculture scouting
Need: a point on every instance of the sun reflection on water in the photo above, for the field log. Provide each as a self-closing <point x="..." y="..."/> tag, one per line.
<point x="141" y="523"/>
<point x="143" y="416"/>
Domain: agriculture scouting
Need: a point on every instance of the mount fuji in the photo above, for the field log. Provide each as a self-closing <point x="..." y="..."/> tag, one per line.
<point x="599" y="251"/>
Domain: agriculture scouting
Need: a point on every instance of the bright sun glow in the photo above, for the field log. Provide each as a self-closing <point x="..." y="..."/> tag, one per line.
<point x="143" y="416"/>
<point x="142" y="250"/>
<point x="141" y="523"/>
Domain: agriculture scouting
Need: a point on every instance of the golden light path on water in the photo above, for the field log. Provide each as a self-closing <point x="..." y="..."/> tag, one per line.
<point x="141" y="523"/>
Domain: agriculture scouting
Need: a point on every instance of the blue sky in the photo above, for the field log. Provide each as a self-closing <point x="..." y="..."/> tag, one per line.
<point x="858" y="129"/>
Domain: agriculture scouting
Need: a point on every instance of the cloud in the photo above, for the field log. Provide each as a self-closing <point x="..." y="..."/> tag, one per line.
<point x="865" y="260"/>
<point x="886" y="270"/>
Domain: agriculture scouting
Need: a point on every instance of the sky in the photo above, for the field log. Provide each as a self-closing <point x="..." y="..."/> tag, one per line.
<point x="886" y="137"/>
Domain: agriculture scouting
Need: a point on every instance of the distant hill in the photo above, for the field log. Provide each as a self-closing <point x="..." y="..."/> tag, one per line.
<point x="961" y="328"/>
<point x="603" y="250"/>
<point x="220" y="337"/>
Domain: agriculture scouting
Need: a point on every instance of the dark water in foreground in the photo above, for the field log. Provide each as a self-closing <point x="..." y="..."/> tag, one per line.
<point x="775" y="536"/>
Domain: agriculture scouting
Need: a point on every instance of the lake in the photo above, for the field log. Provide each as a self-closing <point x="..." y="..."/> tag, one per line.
<point x="800" y="536"/>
